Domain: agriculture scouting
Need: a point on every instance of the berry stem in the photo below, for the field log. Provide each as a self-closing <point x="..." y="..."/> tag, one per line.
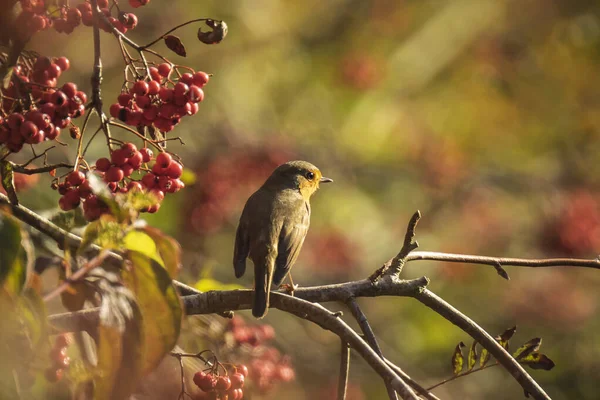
<point x="144" y="47"/>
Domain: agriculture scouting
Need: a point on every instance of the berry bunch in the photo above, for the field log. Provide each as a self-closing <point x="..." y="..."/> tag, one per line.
<point x="160" y="102"/>
<point x="228" y="387"/>
<point x="38" y="15"/>
<point x="254" y="335"/>
<point x="60" y="360"/>
<point x="43" y="109"/>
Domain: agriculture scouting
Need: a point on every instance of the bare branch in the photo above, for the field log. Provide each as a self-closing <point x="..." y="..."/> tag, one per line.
<point x="344" y="371"/>
<point x="482" y="337"/>
<point x="503" y="261"/>
<point x="361" y="318"/>
<point x="32" y="171"/>
<point x="418" y="388"/>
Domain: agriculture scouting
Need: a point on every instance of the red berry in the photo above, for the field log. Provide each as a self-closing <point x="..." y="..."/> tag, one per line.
<point x="15" y="120"/>
<point x="159" y="194"/>
<point x="187" y="78"/>
<point x="40" y="119"/>
<point x="147" y="154"/>
<point x="129" y="149"/>
<point x="164" y="69"/>
<point x="223" y="383"/>
<point x="153" y="87"/>
<point x="143" y="101"/>
<point x="200" y="79"/>
<point x="165" y="94"/>
<point x="129" y="20"/>
<point x="85" y="189"/>
<point x="174" y="170"/>
<point x="136" y="160"/>
<point x="102" y="3"/>
<point x="61" y="341"/>
<point x="154" y="208"/>
<point x="127" y="169"/>
<point x="154" y="74"/>
<point x="54" y="71"/>
<point x="164" y="183"/>
<point x="28" y="129"/>
<point x="195" y="94"/>
<point x="237" y="380"/>
<point x="119" y="157"/>
<point x="149" y="180"/>
<point x="115" y="110"/>
<point x="103" y="164"/>
<point x="164" y="159"/>
<point x="235" y="394"/>
<point x="242" y="369"/>
<point x="124" y="99"/>
<point x="59" y="98"/>
<point x="133" y="185"/>
<point x="207" y="383"/>
<point x="180" y="89"/>
<point x="114" y="174"/>
<point x="76" y="178"/>
<point x="140" y="88"/>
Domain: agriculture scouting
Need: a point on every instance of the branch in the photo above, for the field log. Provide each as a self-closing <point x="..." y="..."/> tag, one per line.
<point x="344" y="370"/>
<point x="365" y="327"/>
<point x="482" y="337"/>
<point x="418" y="388"/>
<point x="31" y="171"/>
<point x="494" y="261"/>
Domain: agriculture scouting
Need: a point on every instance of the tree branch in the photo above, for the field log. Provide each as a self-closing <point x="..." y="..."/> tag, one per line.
<point x="418" y="388"/>
<point x="344" y="370"/>
<point x="443" y="308"/>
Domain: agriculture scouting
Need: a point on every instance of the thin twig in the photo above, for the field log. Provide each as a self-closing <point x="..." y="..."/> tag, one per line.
<point x="79" y="274"/>
<point x="171" y="31"/>
<point x="515" y="262"/>
<point x="363" y="322"/>
<point x="344" y="370"/>
<point x="418" y="388"/>
<point x="32" y="171"/>
<point x="454" y="377"/>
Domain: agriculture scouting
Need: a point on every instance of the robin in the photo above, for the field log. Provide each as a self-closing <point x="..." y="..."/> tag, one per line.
<point x="273" y="226"/>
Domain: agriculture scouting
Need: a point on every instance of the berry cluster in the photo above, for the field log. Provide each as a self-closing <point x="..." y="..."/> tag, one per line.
<point x="228" y="387"/>
<point x="60" y="360"/>
<point x="50" y="109"/>
<point x="38" y="15"/>
<point x="160" y="101"/>
<point x="267" y="366"/>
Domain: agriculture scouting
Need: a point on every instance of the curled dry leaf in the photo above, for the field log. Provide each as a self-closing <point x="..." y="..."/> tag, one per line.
<point x="215" y="35"/>
<point x="175" y="45"/>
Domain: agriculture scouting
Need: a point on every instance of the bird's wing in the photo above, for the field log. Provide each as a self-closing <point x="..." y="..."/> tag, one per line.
<point x="242" y="247"/>
<point x="291" y="238"/>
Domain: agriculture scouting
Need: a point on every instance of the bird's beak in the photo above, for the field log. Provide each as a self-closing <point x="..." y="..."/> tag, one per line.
<point x="325" y="180"/>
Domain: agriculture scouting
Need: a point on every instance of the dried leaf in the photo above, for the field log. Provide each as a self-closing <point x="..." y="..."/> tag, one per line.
<point x="505" y="336"/>
<point x="528" y="348"/>
<point x="484" y="358"/>
<point x="472" y="359"/>
<point x="458" y="360"/>
<point x="216" y="34"/>
<point x="175" y="45"/>
<point x="8" y="181"/>
<point x="537" y="360"/>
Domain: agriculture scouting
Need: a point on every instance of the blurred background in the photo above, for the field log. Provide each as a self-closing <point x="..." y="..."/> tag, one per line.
<point x="483" y="114"/>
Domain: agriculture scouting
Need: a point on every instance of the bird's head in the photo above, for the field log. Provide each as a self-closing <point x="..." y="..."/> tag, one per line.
<point x="299" y="175"/>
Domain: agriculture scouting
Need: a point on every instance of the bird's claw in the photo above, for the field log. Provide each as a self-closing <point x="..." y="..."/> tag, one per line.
<point x="288" y="288"/>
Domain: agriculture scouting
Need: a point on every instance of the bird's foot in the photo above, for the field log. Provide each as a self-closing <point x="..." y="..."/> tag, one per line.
<point x="288" y="288"/>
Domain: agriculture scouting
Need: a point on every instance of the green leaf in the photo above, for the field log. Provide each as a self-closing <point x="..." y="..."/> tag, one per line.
<point x="14" y="260"/>
<point x="537" y="360"/>
<point x="105" y="232"/>
<point x="168" y="248"/>
<point x="188" y="177"/>
<point x="8" y="181"/>
<point x="472" y="359"/>
<point x="505" y="336"/>
<point x="159" y="304"/>
<point x="208" y="284"/>
<point x="484" y="358"/>
<point x="458" y="360"/>
<point x="119" y="358"/>
<point x="528" y="348"/>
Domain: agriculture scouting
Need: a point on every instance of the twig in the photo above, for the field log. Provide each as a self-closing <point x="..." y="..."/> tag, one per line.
<point x="363" y="322"/>
<point x="418" y="388"/>
<point x="494" y="261"/>
<point x="90" y="265"/>
<point x="443" y="308"/>
<point x="454" y="377"/>
<point x="32" y="171"/>
<point x="344" y="370"/>
<point x="170" y="31"/>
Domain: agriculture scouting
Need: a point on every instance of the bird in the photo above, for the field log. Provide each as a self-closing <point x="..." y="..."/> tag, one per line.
<point x="273" y="226"/>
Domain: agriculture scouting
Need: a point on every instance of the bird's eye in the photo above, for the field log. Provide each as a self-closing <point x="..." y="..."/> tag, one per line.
<point x="310" y="175"/>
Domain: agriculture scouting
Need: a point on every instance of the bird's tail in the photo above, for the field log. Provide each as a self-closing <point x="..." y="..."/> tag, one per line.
<point x="263" y="276"/>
